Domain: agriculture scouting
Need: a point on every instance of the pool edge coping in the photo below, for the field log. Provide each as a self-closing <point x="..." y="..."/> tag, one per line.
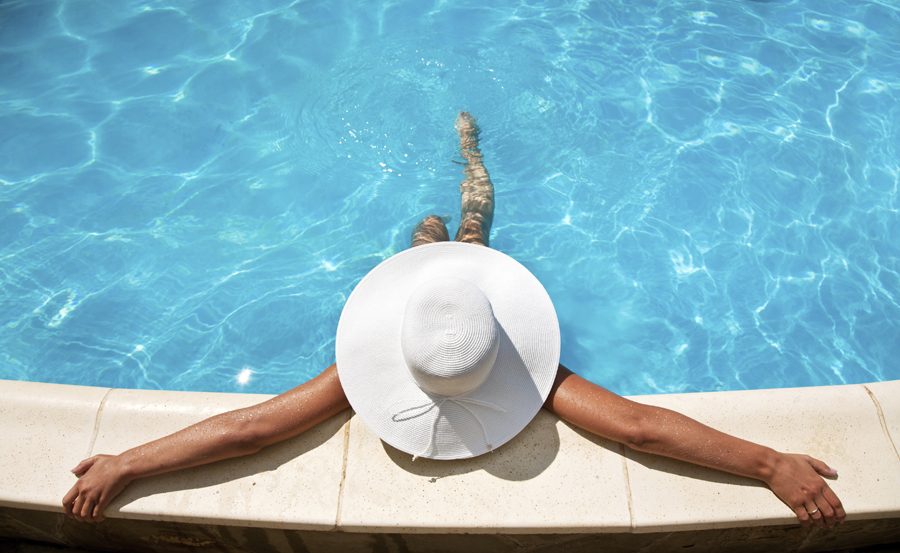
<point x="552" y="479"/>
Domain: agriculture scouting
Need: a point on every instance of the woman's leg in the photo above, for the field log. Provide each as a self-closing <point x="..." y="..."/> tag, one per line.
<point x="476" y="189"/>
<point x="430" y="229"/>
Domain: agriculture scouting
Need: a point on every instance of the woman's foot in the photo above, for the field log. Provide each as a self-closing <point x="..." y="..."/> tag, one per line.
<point x="468" y="136"/>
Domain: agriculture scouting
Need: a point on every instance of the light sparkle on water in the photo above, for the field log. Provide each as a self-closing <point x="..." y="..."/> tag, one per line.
<point x="243" y="377"/>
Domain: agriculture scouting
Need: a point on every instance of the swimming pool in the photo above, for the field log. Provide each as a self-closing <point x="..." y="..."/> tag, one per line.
<point x="708" y="190"/>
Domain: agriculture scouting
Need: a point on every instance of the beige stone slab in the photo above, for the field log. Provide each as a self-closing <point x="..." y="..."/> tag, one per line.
<point x="837" y="424"/>
<point x="46" y="430"/>
<point x="886" y="395"/>
<point x="293" y="484"/>
<point x="550" y="478"/>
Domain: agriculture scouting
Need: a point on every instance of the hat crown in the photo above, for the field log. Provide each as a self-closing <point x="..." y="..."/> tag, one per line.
<point x="449" y="337"/>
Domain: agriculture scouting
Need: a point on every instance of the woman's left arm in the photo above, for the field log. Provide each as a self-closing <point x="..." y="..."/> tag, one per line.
<point x="242" y="432"/>
<point x="795" y="479"/>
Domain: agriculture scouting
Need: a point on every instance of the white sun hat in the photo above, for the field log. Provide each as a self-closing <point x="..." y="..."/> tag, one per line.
<point x="448" y="350"/>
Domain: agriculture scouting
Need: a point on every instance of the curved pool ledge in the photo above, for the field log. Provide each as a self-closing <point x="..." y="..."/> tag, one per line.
<point x="339" y="486"/>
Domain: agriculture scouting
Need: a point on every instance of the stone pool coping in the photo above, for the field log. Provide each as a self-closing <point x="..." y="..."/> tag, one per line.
<point x="551" y="479"/>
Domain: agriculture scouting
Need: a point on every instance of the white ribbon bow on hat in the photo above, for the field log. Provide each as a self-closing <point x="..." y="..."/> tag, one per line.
<point x="419" y="410"/>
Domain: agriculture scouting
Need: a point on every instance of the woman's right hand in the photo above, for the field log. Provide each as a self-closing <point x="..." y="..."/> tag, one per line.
<point x="100" y="479"/>
<point x="797" y="480"/>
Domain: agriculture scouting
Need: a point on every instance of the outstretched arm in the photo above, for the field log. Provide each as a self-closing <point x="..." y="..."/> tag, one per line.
<point x="795" y="479"/>
<point x="232" y="434"/>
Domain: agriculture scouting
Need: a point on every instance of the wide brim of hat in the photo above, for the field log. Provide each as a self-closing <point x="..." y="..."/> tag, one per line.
<point x="379" y="386"/>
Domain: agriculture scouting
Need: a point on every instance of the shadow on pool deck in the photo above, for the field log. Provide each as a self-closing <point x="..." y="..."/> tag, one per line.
<point x="45" y="532"/>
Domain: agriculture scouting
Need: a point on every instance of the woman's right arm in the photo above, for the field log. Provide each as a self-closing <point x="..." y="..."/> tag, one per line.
<point x="232" y="434"/>
<point x="795" y="479"/>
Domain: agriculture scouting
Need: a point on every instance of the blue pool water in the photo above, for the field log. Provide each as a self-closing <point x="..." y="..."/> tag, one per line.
<point x="708" y="189"/>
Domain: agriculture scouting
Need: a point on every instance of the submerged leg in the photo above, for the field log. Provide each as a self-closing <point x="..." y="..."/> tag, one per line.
<point x="430" y="229"/>
<point x="476" y="189"/>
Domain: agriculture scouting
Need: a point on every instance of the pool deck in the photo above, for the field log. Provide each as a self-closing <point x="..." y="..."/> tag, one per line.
<point x="339" y="487"/>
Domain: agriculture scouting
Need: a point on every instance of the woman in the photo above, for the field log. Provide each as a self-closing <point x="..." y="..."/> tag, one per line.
<point x="417" y="422"/>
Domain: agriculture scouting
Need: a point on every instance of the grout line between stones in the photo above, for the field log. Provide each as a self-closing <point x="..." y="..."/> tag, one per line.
<point x="96" y="431"/>
<point x="881" y="420"/>
<point x="627" y="486"/>
<point x="340" y="501"/>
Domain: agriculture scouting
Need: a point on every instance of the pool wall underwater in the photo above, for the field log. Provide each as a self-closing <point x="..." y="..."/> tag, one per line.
<point x="338" y="487"/>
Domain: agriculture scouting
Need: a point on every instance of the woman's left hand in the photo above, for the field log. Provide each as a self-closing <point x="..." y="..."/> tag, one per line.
<point x="100" y="479"/>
